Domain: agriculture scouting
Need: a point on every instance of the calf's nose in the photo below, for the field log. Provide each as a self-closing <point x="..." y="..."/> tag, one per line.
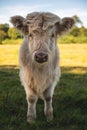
<point x="41" y="57"/>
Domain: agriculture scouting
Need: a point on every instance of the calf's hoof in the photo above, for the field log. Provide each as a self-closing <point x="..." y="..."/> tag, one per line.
<point x="30" y="119"/>
<point x="49" y="116"/>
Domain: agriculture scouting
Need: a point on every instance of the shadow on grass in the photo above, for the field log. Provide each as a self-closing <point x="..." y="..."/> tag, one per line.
<point x="70" y="101"/>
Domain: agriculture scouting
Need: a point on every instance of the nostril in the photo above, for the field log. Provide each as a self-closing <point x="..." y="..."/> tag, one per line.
<point x="46" y="57"/>
<point x="36" y="57"/>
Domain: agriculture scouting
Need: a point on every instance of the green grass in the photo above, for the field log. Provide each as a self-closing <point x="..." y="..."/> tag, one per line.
<point x="72" y="39"/>
<point x="12" y="41"/>
<point x="69" y="101"/>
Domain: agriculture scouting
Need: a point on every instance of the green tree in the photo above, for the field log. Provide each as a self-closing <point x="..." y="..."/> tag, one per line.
<point x="2" y="35"/>
<point x="83" y="31"/>
<point x="78" y="20"/>
<point x="75" y="31"/>
<point x="13" y="33"/>
<point x="4" y="27"/>
<point x="4" y="30"/>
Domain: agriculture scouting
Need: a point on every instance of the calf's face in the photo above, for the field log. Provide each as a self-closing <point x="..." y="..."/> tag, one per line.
<point x="41" y="30"/>
<point x="42" y="43"/>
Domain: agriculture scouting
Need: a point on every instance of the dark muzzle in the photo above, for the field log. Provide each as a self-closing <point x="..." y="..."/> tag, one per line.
<point x="41" y="57"/>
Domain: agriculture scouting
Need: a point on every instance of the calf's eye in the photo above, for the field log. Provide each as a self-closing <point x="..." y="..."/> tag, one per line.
<point x="52" y="36"/>
<point x="30" y="36"/>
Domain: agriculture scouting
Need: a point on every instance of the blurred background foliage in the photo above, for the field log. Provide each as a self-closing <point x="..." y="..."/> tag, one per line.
<point x="78" y="34"/>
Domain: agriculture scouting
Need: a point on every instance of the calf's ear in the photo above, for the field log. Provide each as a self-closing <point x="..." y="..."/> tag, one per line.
<point x="18" y="23"/>
<point x="65" y="25"/>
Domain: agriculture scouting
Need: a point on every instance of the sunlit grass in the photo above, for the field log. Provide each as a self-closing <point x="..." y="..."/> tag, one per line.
<point x="71" y="54"/>
<point x="9" y="54"/>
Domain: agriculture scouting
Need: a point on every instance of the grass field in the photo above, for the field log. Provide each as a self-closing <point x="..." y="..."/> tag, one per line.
<point x="71" y="54"/>
<point x="70" y="98"/>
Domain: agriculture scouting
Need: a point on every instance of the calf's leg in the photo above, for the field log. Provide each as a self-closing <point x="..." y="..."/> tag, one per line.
<point x="31" y="113"/>
<point x="48" y="109"/>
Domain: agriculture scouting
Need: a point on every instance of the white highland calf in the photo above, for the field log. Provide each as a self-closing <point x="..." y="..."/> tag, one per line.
<point x="39" y="57"/>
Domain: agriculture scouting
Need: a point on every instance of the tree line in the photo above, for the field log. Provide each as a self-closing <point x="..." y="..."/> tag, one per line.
<point x="7" y="32"/>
